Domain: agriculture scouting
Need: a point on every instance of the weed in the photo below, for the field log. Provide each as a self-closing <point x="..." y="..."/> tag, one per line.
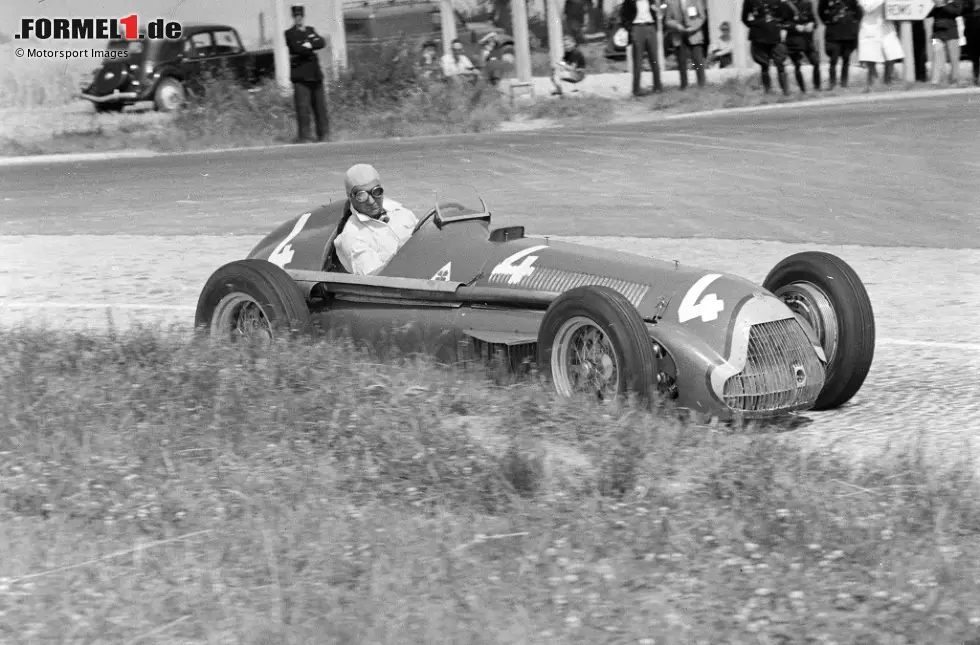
<point x="152" y="483"/>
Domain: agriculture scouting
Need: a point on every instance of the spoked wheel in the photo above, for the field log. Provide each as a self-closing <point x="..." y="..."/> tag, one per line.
<point x="239" y="315"/>
<point x="593" y="342"/>
<point x="252" y="299"/>
<point x="584" y="360"/>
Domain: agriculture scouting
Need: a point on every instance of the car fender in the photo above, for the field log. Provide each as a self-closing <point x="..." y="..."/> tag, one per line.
<point x="703" y="364"/>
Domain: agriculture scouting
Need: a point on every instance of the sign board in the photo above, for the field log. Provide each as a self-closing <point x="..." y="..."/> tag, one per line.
<point x="907" y="9"/>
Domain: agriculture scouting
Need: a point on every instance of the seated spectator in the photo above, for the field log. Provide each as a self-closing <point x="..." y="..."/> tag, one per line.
<point x="458" y="64"/>
<point x="429" y="63"/>
<point x="720" y="52"/>
<point x="488" y="43"/>
<point x="494" y="63"/>
<point x="571" y="68"/>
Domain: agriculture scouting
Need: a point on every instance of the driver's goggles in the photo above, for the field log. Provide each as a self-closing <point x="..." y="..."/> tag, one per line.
<point x="362" y="195"/>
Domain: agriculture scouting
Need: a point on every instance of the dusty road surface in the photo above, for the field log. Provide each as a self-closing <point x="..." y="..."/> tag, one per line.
<point x="889" y="173"/>
<point x="890" y="187"/>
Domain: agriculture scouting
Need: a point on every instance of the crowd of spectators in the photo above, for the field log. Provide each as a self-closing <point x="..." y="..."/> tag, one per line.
<point x="781" y="29"/>
<point x="778" y="30"/>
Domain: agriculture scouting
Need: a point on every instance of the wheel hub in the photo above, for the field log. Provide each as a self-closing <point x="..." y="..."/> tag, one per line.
<point x="809" y="302"/>
<point x="171" y="97"/>
<point x="583" y="360"/>
<point x="239" y="315"/>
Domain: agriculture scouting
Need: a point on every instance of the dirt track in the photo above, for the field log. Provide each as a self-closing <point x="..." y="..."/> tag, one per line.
<point x="899" y="177"/>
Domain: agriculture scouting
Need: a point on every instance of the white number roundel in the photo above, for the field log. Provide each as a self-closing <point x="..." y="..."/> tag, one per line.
<point x="707" y="308"/>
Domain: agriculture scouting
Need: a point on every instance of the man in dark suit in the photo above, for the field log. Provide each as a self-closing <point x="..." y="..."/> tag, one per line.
<point x="842" y="23"/>
<point x="640" y="18"/>
<point x="768" y="22"/>
<point x="308" y="93"/>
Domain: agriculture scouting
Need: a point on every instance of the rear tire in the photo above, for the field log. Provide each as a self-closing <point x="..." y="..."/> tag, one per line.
<point x="596" y="333"/>
<point x="248" y="298"/>
<point x="825" y="291"/>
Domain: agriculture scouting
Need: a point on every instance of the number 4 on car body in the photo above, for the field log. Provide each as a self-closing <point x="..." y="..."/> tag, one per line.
<point x="708" y="308"/>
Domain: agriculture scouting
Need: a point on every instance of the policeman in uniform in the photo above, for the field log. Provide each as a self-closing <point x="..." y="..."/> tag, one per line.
<point x="307" y="77"/>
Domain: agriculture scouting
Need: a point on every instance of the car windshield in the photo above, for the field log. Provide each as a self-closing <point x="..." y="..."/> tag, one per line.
<point x="123" y="50"/>
<point x="454" y="201"/>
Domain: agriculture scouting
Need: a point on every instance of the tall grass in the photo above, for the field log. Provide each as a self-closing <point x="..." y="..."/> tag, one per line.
<point x="40" y="82"/>
<point x="155" y="488"/>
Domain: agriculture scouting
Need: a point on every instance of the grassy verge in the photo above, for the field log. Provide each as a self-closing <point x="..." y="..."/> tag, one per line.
<point x="170" y="493"/>
<point x="381" y="96"/>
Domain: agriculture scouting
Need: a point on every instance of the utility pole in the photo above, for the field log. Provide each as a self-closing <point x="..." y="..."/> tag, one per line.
<point x="522" y="40"/>
<point x="555" y="44"/>
<point x="448" y="25"/>
<point x="280" y="53"/>
<point x="338" y="36"/>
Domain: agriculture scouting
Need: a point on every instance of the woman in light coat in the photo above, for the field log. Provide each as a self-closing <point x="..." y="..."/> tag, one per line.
<point x="878" y="41"/>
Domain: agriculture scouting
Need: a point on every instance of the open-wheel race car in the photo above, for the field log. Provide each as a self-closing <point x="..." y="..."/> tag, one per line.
<point x="593" y="321"/>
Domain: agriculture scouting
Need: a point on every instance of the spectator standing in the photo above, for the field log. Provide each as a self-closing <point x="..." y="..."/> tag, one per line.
<point x="304" y="71"/>
<point x="946" y="39"/>
<point x="721" y="51"/>
<point x="920" y="57"/>
<point x="571" y="68"/>
<point x="768" y="21"/>
<point x="456" y="63"/>
<point x="971" y="29"/>
<point x="799" y="41"/>
<point x="878" y="41"/>
<point x="842" y="22"/>
<point x="640" y="18"/>
<point x="575" y="11"/>
<point x="686" y="18"/>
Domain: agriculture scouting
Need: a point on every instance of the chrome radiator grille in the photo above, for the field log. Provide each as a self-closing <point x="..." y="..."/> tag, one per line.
<point x="782" y="370"/>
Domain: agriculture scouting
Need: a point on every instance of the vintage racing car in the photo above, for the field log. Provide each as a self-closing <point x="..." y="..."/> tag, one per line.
<point x="601" y="322"/>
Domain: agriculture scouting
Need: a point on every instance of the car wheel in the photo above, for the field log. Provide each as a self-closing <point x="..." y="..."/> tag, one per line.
<point x="825" y="291"/>
<point x="252" y="299"/>
<point x="593" y="341"/>
<point x="169" y="96"/>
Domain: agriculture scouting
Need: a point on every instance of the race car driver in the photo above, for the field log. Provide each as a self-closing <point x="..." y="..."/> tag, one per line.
<point x="377" y="227"/>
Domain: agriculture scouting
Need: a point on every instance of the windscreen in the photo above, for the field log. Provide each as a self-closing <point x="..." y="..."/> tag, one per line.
<point x="123" y="50"/>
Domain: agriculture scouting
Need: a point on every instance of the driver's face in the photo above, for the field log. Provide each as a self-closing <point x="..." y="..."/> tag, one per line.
<point x="372" y="206"/>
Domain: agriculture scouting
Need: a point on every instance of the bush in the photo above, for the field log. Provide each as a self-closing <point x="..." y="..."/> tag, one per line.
<point x="382" y="93"/>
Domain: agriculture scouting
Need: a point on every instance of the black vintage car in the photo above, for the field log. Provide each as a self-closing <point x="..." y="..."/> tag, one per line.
<point x="164" y="71"/>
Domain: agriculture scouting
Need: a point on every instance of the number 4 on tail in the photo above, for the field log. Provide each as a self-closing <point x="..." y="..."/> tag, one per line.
<point x="708" y="308"/>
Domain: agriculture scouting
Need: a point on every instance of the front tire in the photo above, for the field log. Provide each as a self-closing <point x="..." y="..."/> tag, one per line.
<point x="826" y="292"/>
<point x="169" y="95"/>
<point x="592" y="340"/>
<point x="252" y="299"/>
